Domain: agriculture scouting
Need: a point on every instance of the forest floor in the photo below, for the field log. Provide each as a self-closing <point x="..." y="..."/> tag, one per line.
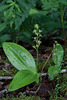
<point x="48" y="90"/>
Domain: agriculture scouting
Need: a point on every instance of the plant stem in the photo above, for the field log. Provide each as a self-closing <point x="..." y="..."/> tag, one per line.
<point x="62" y="22"/>
<point x="18" y="34"/>
<point x="37" y="58"/>
<point x="37" y="54"/>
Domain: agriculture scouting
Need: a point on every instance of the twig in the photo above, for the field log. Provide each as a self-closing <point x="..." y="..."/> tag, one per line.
<point x="46" y="62"/>
<point x="62" y="71"/>
<point x="43" y="74"/>
<point x="6" y="78"/>
<point x="2" y="92"/>
<point x="6" y="71"/>
<point x="38" y="88"/>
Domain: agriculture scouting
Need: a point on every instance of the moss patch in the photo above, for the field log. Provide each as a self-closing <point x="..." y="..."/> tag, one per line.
<point x="21" y="97"/>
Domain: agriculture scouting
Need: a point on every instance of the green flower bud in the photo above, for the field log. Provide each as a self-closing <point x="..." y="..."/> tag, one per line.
<point x="36" y="26"/>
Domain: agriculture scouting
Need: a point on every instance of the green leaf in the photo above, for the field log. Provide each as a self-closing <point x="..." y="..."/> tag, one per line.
<point x="4" y="38"/>
<point x="9" y="1"/>
<point x="3" y="26"/>
<point x="9" y="12"/>
<point x="53" y="72"/>
<point x="57" y="54"/>
<point x="19" y="57"/>
<point x="33" y="11"/>
<point x="64" y="2"/>
<point x="22" y="78"/>
<point x="4" y="7"/>
<point x="38" y="81"/>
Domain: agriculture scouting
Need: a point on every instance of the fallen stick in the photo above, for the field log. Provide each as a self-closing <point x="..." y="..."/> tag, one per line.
<point x="62" y="71"/>
<point x="2" y="92"/>
<point x="6" y="78"/>
<point x="43" y="74"/>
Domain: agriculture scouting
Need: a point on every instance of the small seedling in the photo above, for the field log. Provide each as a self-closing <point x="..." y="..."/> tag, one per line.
<point x="57" y="88"/>
<point x="57" y="57"/>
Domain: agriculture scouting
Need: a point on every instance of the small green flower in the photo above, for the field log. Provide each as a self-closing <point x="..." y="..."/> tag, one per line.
<point x="34" y="47"/>
<point x="35" y="38"/>
<point x="34" y="31"/>
<point x="37" y="45"/>
<point x="36" y="26"/>
<point x="37" y="32"/>
<point x="40" y="31"/>
<point x="39" y="42"/>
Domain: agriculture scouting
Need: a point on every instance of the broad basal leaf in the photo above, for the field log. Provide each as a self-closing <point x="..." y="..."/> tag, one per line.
<point x="22" y="78"/>
<point x="53" y="72"/>
<point x="57" y="54"/>
<point x="19" y="57"/>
